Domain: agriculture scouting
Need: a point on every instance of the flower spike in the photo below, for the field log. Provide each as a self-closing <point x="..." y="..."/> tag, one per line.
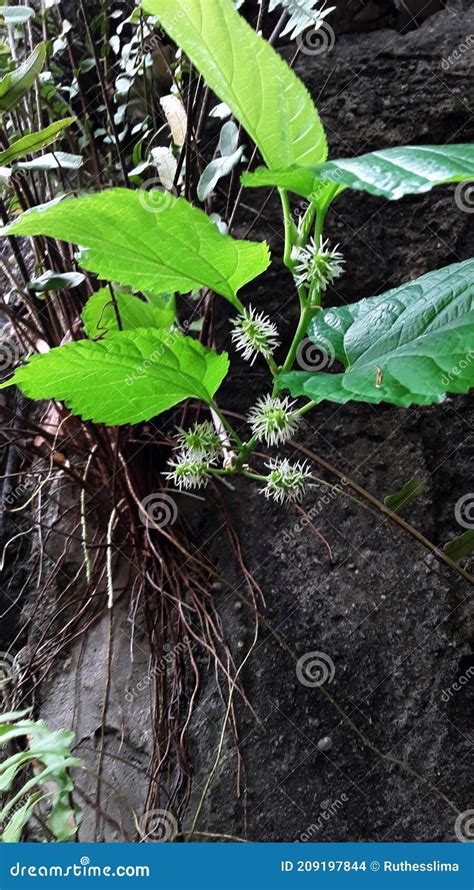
<point x="317" y="265"/>
<point x="254" y="334"/>
<point x="287" y="481"/>
<point x="273" y="419"/>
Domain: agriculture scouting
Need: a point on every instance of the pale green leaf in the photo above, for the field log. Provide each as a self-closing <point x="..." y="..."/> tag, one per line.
<point x="27" y="145"/>
<point x="246" y="73"/>
<point x="100" y="317"/>
<point x="411" y="345"/>
<point x="15" y="15"/>
<point x="127" y="378"/>
<point x="58" y="160"/>
<point x="13" y="831"/>
<point x="55" y="281"/>
<point x="15" y="84"/>
<point x="149" y="241"/>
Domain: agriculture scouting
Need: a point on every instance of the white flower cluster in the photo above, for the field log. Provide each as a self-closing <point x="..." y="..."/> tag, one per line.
<point x="199" y="451"/>
<point x="286" y="481"/>
<point x="317" y="265"/>
<point x="254" y="334"/>
<point x="273" y="420"/>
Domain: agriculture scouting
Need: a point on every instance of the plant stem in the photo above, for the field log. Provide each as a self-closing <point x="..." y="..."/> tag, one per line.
<point x="306" y="315"/>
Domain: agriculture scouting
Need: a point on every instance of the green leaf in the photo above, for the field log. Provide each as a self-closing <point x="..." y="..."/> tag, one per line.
<point x="10" y="768"/>
<point x="460" y="547"/>
<point x="411" y="345"/>
<point x="34" y="141"/>
<point x="246" y="73"/>
<point x="55" y="281"/>
<point x="129" y="377"/>
<point x="409" y="170"/>
<point x="15" y="15"/>
<point x="13" y="831"/>
<point x="10" y="716"/>
<point x="390" y="172"/>
<point x="16" y="83"/>
<point x="100" y="318"/>
<point x="58" y="160"/>
<point x="149" y="241"/>
<point x="300" y="180"/>
<point x="407" y="493"/>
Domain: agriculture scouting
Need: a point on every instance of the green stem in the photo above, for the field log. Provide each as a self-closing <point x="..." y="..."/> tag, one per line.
<point x="290" y="229"/>
<point x="304" y="410"/>
<point x="306" y="315"/>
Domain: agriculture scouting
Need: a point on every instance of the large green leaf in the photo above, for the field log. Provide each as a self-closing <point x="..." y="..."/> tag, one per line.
<point x="15" y="84"/>
<point x="34" y="141"/>
<point x="100" y="315"/>
<point x="267" y="98"/>
<point x="125" y="378"/>
<point x="412" y="345"/>
<point x="151" y="242"/>
<point x="390" y="173"/>
<point x="409" y="170"/>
